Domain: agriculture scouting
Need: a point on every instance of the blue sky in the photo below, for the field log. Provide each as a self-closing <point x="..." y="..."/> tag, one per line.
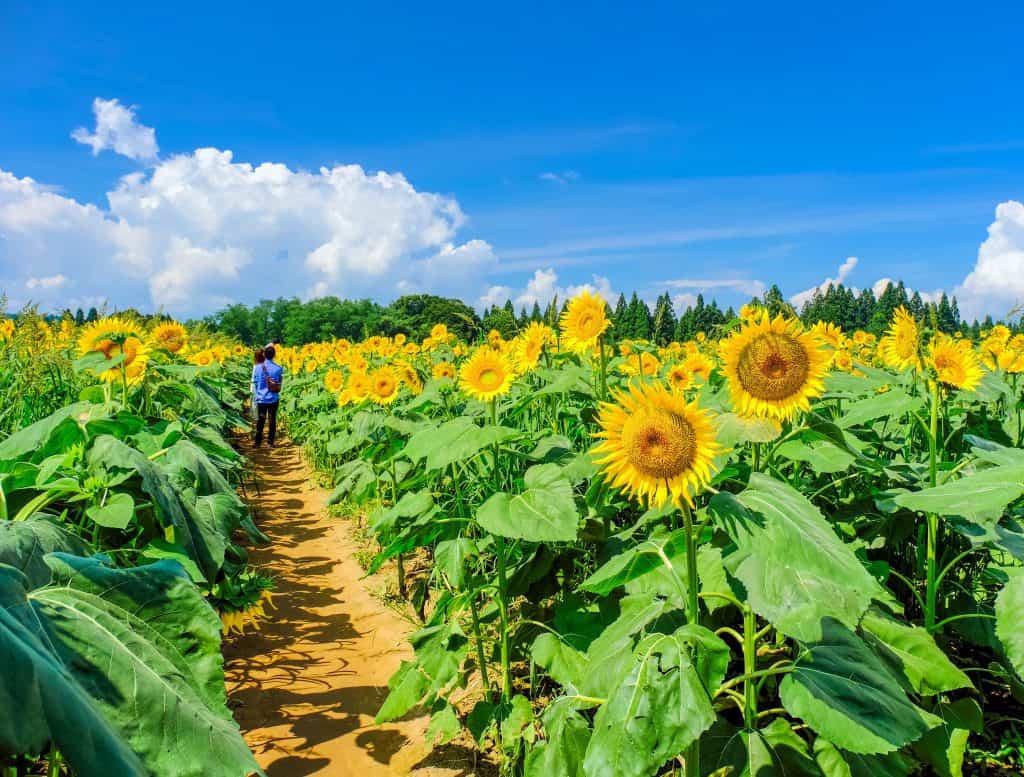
<point x="707" y="149"/>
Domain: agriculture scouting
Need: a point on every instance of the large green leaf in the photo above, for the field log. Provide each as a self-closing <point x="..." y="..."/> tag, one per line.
<point x="980" y="495"/>
<point x="822" y="456"/>
<point x="452" y="441"/>
<point x="24" y="544"/>
<point x="43" y="703"/>
<point x="544" y="512"/>
<point x="659" y="706"/>
<point x="797" y="571"/>
<point x="891" y="404"/>
<point x="1010" y="621"/>
<point x="115" y="513"/>
<point x="664" y="552"/>
<point x="47" y="436"/>
<point x="564" y="664"/>
<point x="451" y="556"/>
<point x="566" y="734"/>
<point x="846" y="694"/>
<point x="839" y="763"/>
<point x="911" y="651"/>
<point x="944" y="747"/>
<point x="144" y="645"/>
<point x="607" y="653"/>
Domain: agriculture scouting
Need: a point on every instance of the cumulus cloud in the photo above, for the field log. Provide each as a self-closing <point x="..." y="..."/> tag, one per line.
<point x="996" y="284"/>
<point x="118" y="131"/>
<point x="543" y="286"/>
<point x="200" y="229"/>
<point x="801" y="298"/>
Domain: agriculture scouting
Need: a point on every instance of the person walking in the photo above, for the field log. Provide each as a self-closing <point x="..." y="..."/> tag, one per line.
<point x="266" y="381"/>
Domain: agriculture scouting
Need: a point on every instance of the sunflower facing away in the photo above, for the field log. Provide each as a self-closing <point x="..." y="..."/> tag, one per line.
<point x="955" y="362"/>
<point x="774" y="367"/>
<point x="899" y="347"/>
<point x="583" y="322"/>
<point x="169" y="336"/>
<point x="486" y="375"/>
<point x="656" y="446"/>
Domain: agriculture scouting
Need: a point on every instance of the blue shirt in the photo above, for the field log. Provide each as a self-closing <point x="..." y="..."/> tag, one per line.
<point x="265" y="396"/>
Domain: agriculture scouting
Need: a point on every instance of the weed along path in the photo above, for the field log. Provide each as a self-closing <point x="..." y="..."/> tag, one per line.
<point x="305" y="687"/>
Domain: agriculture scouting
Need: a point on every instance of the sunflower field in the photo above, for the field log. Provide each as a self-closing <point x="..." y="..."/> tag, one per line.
<point x="772" y="550"/>
<point x="122" y="555"/>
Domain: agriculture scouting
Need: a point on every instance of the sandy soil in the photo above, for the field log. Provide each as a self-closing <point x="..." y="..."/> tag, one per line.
<point x="305" y="688"/>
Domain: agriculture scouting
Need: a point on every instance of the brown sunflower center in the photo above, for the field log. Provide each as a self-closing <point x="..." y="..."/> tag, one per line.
<point x="773" y="366"/>
<point x="659" y="443"/>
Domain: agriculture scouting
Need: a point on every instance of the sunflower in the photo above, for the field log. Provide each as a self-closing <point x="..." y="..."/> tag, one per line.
<point x="899" y="347"/>
<point x="359" y="385"/>
<point x="443" y="370"/>
<point x="7" y="329"/>
<point x="678" y="377"/>
<point x="439" y="332"/>
<point x="955" y="362"/>
<point x="829" y="333"/>
<point x="773" y="367"/>
<point x="699" y="365"/>
<point x="486" y="375"/>
<point x="384" y="385"/>
<point x="409" y="376"/>
<point x="170" y="336"/>
<point x="527" y="354"/>
<point x="116" y="336"/>
<point x="202" y="359"/>
<point x="655" y="445"/>
<point x="334" y="380"/>
<point x="643" y="363"/>
<point x="583" y="322"/>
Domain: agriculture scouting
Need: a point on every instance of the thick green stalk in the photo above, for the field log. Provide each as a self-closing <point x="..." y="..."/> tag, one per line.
<point x="692" y="616"/>
<point x="481" y="656"/>
<point x="53" y="767"/>
<point x="603" y="361"/>
<point x="931" y="555"/>
<point x="749" y="667"/>
<point x="506" y="665"/>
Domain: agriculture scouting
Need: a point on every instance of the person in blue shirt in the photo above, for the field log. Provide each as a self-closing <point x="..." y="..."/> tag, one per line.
<point x="264" y="373"/>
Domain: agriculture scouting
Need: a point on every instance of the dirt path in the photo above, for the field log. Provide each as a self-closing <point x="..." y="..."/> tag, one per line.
<point x="305" y="688"/>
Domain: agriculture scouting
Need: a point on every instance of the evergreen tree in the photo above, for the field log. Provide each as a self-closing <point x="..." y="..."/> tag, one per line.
<point x="79" y="317"/>
<point x="664" y="321"/>
<point x="944" y="315"/>
<point x="535" y="314"/>
<point x="93" y="315"/>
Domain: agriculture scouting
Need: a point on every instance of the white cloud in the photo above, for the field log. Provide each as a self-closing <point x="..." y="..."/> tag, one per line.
<point x="879" y="288"/>
<point x="117" y="131"/>
<point x="200" y="229"/>
<point x="996" y="284"/>
<point x="842" y="274"/>
<point x="47" y="282"/>
<point x="542" y="287"/>
<point x="564" y="177"/>
<point x="681" y="302"/>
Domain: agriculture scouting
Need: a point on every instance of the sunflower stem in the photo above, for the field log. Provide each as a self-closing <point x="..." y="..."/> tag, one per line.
<point x="603" y="362"/>
<point x="749" y="667"/>
<point x="506" y="666"/>
<point x="931" y="558"/>
<point x="692" y="616"/>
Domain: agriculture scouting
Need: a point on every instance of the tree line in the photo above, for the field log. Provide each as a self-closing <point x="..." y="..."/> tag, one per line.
<point x="294" y="322"/>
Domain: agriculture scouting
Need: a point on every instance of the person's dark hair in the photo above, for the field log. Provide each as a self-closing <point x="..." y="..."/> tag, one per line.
<point x="270" y="352"/>
<point x="259" y="357"/>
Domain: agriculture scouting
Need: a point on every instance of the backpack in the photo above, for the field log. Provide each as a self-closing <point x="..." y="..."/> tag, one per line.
<point x="273" y="386"/>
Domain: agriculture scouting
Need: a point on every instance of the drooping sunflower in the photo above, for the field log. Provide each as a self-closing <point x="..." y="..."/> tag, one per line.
<point x="583" y="322"/>
<point x="334" y="380"/>
<point x="486" y="375"/>
<point x="656" y="445"/>
<point x="901" y="343"/>
<point x="773" y="366"/>
<point x="170" y="336"/>
<point x="955" y="362"/>
<point x="113" y="337"/>
<point x="443" y="370"/>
